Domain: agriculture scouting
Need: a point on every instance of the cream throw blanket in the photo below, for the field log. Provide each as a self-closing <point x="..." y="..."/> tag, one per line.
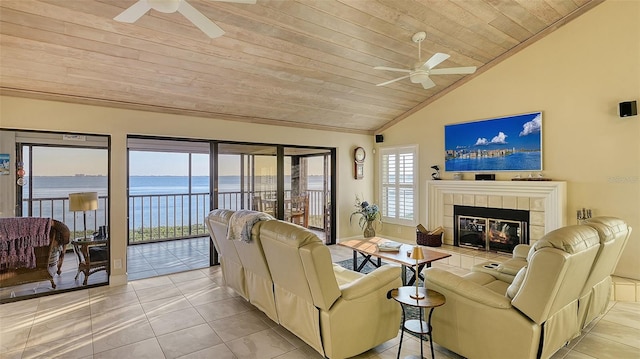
<point x="242" y="221"/>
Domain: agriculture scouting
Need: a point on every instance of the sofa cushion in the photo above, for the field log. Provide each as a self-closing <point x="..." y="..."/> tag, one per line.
<point x="232" y="270"/>
<point x="513" y="289"/>
<point x="345" y="276"/>
<point x="571" y="239"/>
<point x="609" y="228"/>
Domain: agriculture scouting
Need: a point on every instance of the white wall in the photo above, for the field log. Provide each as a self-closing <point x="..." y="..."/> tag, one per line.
<point x="576" y="76"/>
<point x="29" y="114"/>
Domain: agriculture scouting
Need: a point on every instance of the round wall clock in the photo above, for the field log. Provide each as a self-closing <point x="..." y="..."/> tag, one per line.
<point x="358" y="155"/>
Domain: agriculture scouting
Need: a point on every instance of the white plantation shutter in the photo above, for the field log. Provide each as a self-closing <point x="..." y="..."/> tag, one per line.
<point x="399" y="184"/>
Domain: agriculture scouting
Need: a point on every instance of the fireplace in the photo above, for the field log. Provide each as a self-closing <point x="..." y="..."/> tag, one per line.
<point x="544" y="200"/>
<point x="490" y="229"/>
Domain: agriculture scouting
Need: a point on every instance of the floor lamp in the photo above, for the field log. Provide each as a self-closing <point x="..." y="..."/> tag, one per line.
<point x="83" y="202"/>
<point x="417" y="255"/>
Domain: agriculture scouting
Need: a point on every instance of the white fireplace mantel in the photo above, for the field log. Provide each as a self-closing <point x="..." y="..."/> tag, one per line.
<point x="546" y="198"/>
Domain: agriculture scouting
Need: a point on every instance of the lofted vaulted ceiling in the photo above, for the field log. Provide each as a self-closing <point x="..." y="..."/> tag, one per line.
<point x="304" y="63"/>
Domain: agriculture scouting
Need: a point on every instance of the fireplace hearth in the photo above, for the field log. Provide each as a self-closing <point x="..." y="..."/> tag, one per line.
<point x="490" y="229"/>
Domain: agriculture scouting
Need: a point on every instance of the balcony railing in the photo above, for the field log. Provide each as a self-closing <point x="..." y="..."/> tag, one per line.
<point x="58" y="209"/>
<point x="160" y="217"/>
<point x="167" y="216"/>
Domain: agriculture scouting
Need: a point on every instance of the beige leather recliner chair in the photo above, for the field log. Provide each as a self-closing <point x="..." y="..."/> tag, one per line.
<point x="232" y="270"/>
<point x="243" y="264"/>
<point x="614" y="234"/>
<point x="338" y="321"/>
<point x="257" y="274"/>
<point x="532" y="317"/>
<point x="596" y="293"/>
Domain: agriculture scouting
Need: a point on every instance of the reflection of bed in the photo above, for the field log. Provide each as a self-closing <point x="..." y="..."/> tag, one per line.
<point x="38" y="256"/>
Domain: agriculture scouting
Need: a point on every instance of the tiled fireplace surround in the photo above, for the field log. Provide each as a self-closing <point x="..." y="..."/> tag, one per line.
<point x="546" y="201"/>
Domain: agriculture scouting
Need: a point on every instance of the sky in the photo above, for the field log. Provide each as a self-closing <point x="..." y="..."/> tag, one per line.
<point x="59" y="161"/>
<point x="55" y="161"/>
<point x="519" y="131"/>
<point x="167" y="164"/>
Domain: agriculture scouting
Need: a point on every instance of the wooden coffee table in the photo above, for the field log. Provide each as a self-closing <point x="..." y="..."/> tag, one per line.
<point x="368" y="248"/>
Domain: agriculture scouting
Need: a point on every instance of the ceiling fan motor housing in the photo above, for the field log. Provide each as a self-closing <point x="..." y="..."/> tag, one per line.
<point x="419" y="77"/>
<point x="166" y="6"/>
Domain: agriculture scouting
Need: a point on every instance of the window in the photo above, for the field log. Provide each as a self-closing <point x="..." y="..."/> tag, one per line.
<point x="399" y="184"/>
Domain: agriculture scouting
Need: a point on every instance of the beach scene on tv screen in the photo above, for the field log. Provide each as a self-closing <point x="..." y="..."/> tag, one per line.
<point x="512" y="143"/>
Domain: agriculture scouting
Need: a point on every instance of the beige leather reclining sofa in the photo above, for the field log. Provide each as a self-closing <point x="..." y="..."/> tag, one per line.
<point x="287" y="272"/>
<point x="561" y="285"/>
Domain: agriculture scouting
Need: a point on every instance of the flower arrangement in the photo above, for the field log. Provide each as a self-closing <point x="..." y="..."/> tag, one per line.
<point x="367" y="212"/>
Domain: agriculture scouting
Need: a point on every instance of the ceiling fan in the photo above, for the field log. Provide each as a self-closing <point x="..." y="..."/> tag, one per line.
<point x="137" y="10"/>
<point x="422" y="70"/>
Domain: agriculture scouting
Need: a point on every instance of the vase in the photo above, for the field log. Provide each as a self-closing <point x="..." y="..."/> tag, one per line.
<point x="369" y="231"/>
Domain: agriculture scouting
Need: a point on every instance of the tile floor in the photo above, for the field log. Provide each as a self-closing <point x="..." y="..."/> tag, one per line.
<point x="153" y="259"/>
<point x="143" y="261"/>
<point x="66" y="280"/>
<point x="192" y="315"/>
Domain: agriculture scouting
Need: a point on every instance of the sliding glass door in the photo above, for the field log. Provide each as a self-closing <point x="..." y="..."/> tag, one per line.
<point x="247" y="177"/>
<point x="46" y="172"/>
<point x="174" y="183"/>
<point x="169" y="198"/>
<point x="291" y="183"/>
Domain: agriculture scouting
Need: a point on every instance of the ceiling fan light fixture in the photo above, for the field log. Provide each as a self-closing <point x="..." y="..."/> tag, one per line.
<point x="419" y="77"/>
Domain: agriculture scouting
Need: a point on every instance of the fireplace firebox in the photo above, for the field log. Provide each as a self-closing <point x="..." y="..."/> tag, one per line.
<point x="490" y="229"/>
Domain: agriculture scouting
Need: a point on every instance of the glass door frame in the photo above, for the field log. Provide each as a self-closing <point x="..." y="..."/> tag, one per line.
<point x="214" y="176"/>
<point x="331" y="166"/>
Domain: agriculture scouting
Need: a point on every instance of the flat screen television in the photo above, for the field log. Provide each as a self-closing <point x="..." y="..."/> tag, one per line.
<point x="512" y="143"/>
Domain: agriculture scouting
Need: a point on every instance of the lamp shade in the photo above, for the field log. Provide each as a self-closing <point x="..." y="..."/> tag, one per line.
<point x="417" y="253"/>
<point x="83" y="201"/>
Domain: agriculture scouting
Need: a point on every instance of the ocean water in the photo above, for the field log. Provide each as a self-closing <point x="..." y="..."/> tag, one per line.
<point x="521" y="161"/>
<point x="149" y="210"/>
<point x="61" y="186"/>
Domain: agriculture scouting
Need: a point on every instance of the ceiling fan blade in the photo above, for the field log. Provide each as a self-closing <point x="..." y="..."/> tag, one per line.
<point x="453" y="70"/>
<point x="390" y="69"/>
<point x="134" y="12"/>
<point x="198" y="19"/>
<point x="392" y="81"/>
<point x="435" y="60"/>
<point x="428" y="83"/>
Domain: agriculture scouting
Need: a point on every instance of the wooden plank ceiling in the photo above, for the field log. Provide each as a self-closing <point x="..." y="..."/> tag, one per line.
<point x="304" y="63"/>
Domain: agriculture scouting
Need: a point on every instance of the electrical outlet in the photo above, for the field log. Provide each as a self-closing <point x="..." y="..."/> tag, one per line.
<point x="399" y="230"/>
<point x="117" y="264"/>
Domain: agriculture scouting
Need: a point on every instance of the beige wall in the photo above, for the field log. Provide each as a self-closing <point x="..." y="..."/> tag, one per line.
<point x="20" y="113"/>
<point x="576" y="76"/>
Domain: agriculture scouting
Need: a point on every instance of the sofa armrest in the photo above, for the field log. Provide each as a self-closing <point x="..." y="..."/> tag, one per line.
<point x="371" y="282"/>
<point x="512" y="266"/>
<point x="466" y="288"/>
<point x="521" y="251"/>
